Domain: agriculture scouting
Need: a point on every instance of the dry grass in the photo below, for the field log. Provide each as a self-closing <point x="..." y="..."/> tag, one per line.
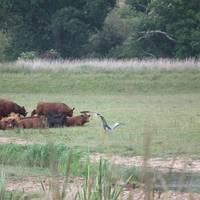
<point x="109" y="64"/>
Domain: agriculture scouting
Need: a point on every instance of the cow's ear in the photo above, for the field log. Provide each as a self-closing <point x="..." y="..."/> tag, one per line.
<point x="73" y="108"/>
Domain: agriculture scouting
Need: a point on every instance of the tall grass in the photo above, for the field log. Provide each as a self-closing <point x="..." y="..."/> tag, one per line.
<point x="102" y="64"/>
<point x="37" y="155"/>
<point x="100" y="187"/>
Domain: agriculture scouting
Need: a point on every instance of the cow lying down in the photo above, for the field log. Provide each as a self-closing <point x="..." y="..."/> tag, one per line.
<point x="77" y="120"/>
<point x="5" y="125"/>
<point x="56" y="120"/>
<point x="32" y="122"/>
<point x="15" y="120"/>
<point x="11" y="121"/>
<point x="52" y="120"/>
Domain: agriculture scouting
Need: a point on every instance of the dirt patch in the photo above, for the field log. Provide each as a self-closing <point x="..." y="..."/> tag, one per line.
<point x="13" y="140"/>
<point x="43" y="186"/>
<point x="34" y="186"/>
<point x="180" y="163"/>
<point x="138" y="194"/>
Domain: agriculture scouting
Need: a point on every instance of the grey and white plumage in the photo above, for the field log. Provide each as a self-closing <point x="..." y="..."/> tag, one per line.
<point x="106" y="127"/>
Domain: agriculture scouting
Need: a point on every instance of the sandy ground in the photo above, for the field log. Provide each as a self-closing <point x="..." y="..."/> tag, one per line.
<point x="139" y="194"/>
<point x="43" y="186"/>
<point x="180" y="163"/>
<point x="8" y="140"/>
<point x="34" y="186"/>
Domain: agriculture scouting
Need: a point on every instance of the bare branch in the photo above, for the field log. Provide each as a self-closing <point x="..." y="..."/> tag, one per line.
<point x="150" y="54"/>
<point x="149" y="33"/>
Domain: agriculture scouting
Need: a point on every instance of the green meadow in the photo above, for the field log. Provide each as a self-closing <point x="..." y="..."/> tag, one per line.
<point x="163" y="103"/>
<point x="161" y="106"/>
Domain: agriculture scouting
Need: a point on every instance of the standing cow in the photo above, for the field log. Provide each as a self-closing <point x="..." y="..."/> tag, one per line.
<point x="44" y="108"/>
<point x="7" y="107"/>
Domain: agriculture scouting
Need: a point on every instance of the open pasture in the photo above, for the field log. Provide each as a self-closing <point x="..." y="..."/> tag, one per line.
<point x="160" y="102"/>
<point x="161" y="105"/>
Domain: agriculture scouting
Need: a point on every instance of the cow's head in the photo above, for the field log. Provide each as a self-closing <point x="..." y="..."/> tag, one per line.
<point x="23" y="111"/>
<point x="2" y="125"/>
<point x="85" y="118"/>
<point x="33" y="113"/>
<point x="70" y="113"/>
<point x="8" y="124"/>
<point x="11" y="123"/>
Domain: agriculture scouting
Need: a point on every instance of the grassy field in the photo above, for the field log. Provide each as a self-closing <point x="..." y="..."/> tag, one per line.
<point x="163" y="103"/>
<point x="159" y="102"/>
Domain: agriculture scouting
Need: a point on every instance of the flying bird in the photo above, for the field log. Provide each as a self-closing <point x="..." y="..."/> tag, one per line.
<point x="106" y="127"/>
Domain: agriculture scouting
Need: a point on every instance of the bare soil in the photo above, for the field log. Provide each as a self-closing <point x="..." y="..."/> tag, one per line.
<point x="10" y="140"/>
<point x="44" y="186"/>
<point x="35" y="186"/>
<point x="180" y="163"/>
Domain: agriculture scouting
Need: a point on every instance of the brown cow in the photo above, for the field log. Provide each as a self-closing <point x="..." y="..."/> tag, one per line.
<point x="32" y="122"/>
<point x="12" y="116"/>
<point x="6" y="107"/>
<point x="3" y="125"/>
<point x="43" y="108"/>
<point x="77" y="120"/>
<point x="8" y="124"/>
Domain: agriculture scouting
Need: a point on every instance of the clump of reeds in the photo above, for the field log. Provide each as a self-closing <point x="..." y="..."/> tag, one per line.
<point x="35" y="155"/>
<point x="100" y="187"/>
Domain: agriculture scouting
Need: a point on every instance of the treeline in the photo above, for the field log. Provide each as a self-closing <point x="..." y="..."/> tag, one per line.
<point x="99" y="29"/>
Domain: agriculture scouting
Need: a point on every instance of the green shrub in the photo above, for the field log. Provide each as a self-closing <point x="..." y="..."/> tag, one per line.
<point x="101" y="186"/>
<point x="36" y="155"/>
<point x="29" y="55"/>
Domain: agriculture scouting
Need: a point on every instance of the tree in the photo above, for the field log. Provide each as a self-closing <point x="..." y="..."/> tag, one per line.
<point x="63" y="25"/>
<point x="170" y="28"/>
<point x="113" y="33"/>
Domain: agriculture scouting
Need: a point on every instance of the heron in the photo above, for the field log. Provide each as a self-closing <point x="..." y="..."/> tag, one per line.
<point x="106" y="127"/>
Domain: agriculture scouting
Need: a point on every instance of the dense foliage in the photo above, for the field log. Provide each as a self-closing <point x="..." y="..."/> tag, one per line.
<point x="98" y="28"/>
<point x="170" y="28"/>
<point x="63" y="25"/>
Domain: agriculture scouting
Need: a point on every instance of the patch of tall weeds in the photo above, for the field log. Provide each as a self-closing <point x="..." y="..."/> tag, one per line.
<point x="37" y="155"/>
<point x="102" y="186"/>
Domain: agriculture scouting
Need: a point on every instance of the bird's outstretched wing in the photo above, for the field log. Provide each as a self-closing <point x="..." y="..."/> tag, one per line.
<point x="115" y="125"/>
<point x="106" y="127"/>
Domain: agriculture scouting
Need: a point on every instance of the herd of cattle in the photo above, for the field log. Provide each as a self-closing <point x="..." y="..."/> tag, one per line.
<point x="46" y="114"/>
